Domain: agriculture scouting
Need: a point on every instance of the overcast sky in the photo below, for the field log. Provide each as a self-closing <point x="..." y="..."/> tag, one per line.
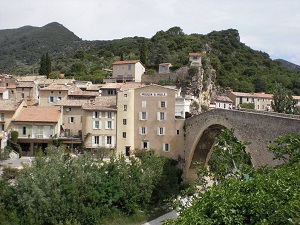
<point x="272" y="26"/>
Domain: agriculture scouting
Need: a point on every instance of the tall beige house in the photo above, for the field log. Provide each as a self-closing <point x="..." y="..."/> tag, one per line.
<point x="146" y="120"/>
<point x="99" y="123"/>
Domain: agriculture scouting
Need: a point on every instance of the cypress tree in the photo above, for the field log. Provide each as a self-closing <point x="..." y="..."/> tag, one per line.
<point x="42" y="70"/>
<point x="45" y="65"/>
<point x="143" y="52"/>
<point x="48" y="64"/>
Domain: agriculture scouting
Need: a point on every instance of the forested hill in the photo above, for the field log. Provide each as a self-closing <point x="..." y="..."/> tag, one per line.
<point x="237" y="65"/>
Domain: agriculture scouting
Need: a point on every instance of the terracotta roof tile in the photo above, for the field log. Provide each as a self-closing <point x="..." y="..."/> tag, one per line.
<point x="39" y="114"/>
<point x="102" y="103"/>
<point x="58" y="87"/>
<point x="221" y="99"/>
<point x="25" y="84"/>
<point x="9" y="104"/>
<point x="126" y="62"/>
<point x="72" y="102"/>
<point x="195" y="54"/>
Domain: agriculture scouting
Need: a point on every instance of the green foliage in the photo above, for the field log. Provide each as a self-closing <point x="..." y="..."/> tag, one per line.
<point x="13" y="142"/>
<point x="9" y="173"/>
<point x="193" y="71"/>
<point x="247" y="105"/>
<point x="283" y="101"/>
<point x="237" y="66"/>
<point x="59" y="189"/>
<point x="271" y="198"/>
<point x="286" y="148"/>
<point x="204" y="107"/>
<point x="45" y="65"/>
<point x="229" y="157"/>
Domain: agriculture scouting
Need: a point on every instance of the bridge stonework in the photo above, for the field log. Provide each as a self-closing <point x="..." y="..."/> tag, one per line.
<point x="258" y="128"/>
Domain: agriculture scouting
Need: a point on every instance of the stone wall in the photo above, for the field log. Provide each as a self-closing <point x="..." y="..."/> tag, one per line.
<point x="260" y="129"/>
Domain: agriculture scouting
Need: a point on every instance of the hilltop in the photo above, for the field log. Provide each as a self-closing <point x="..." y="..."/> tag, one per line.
<point x="233" y="63"/>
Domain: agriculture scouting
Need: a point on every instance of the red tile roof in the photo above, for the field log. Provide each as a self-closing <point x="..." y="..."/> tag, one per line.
<point x="126" y="62"/>
<point x="103" y="103"/>
<point x="9" y="104"/>
<point x="195" y="54"/>
<point x="39" y="114"/>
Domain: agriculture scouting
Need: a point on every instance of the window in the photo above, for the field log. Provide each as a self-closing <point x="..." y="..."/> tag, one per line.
<point x="2" y="116"/>
<point x="145" y="144"/>
<point x="143" y="115"/>
<point x="124" y="134"/>
<point x="124" y="121"/>
<point x="24" y="131"/>
<point x="51" y="99"/>
<point x="96" y="140"/>
<point x="59" y="98"/>
<point x="96" y="115"/>
<point x="111" y="92"/>
<point x="161" y="116"/>
<point x="163" y="104"/>
<point x="160" y="131"/>
<point x="2" y="127"/>
<point x="96" y="125"/>
<point x="125" y="107"/>
<point x="177" y="132"/>
<point x="108" y="140"/>
<point x="109" y="125"/>
<point x="59" y="92"/>
<point x="22" y="89"/>
<point x="144" y="103"/>
<point x="22" y="95"/>
<point x="125" y="95"/>
<point x="109" y="115"/>
<point x="51" y="92"/>
<point x="143" y="130"/>
<point x="166" y="147"/>
<point x="71" y="119"/>
<point x="68" y="109"/>
<point x="129" y="67"/>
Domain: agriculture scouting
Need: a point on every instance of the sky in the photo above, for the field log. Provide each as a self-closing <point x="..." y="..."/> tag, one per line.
<point x="271" y="26"/>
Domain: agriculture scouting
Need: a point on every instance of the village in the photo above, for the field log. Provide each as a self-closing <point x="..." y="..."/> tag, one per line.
<point x="122" y="115"/>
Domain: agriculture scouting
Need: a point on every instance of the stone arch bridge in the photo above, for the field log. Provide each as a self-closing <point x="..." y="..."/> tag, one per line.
<point x="260" y="128"/>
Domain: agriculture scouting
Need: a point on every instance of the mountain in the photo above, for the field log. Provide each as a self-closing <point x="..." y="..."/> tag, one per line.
<point x="24" y="46"/>
<point x="289" y="65"/>
<point x="227" y="62"/>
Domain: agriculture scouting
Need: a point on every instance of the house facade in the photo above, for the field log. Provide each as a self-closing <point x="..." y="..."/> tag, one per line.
<point x="37" y="126"/>
<point x="195" y="59"/>
<point x="127" y="71"/>
<point x="53" y="93"/>
<point x="8" y="110"/>
<point x="164" y="68"/>
<point x="146" y="120"/>
<point x="99" y="128"/>
<point x="261" y="101"/>
<point x="221" y="102"/>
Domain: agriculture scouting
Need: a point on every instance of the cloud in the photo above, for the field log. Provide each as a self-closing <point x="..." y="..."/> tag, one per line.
<point x="271" y="26"/>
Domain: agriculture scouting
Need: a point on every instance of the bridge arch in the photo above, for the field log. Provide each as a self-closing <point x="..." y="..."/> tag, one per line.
<point x="258" y="128"/>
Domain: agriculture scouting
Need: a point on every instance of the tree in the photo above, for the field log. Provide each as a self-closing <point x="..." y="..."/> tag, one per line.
<point x="283" y="101"/>
<point x="286" y="148"/>
<point x="143" y="52"/>
<point x="229" y="157"/>
<point x="45" y="65"/>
